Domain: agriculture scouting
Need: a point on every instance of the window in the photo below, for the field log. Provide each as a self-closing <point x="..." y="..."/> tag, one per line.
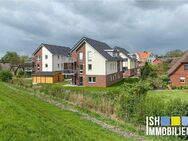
<point x="182" y="79"/>
<point x="58" y="56"/>
<point x="92" y="79"/>
<point x="38" y="66"/>
<point x="46" y="65"/>
<point x="38" y="58"/>
<point x="185" y="66"/>
<point x="89" y="66"/>
<point x="58" y="65"/>
<point x="81" y="68"/>
<point x="89" y="53"/>
<point x="46" y="56"/>
<point x="81" y="56"/>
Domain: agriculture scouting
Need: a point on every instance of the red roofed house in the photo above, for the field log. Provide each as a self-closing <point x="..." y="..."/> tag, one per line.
<point x="157" y="61"/>
<point x="178" y="73"/>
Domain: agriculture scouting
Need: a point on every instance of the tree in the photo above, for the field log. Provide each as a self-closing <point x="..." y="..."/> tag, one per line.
<point x="11" y="57"/>
<point x="14" y="58"/>
<point x="148" y="71"/>
<point x="5" y="76"/>
<point x="174" y="53"/>
<point x="24" y="59"/>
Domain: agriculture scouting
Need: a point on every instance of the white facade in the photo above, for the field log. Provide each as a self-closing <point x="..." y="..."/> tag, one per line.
<point x="111" y="67"/>
<point x="98" y="64"/>
<point x="52" y="62"/>
<point x="47" y="64"/>
<point x="128" y="63"/>
<point x="97" y="61"/>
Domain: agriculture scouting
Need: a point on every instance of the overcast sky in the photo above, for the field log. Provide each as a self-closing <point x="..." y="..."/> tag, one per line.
<point x="157" y="26"/>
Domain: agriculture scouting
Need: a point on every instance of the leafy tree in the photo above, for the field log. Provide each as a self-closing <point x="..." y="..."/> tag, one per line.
<point x="14" y="58"/>
<point x="148" y="71"/>
<point x="24" y="59"/>
<point x="5" y="76"/>
<point x="11" y="57"/>
<point x="174" y="53"/>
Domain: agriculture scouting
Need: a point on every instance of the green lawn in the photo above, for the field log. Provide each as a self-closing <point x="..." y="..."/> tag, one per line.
<point x="95" y="89"/>
<point x="26" y="118"/>
<point x="170" y="94"/>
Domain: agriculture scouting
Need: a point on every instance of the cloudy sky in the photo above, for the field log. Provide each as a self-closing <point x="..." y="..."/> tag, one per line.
<point x="157" y="26"/>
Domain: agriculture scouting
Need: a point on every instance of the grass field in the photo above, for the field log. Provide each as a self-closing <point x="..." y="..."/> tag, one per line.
<point x="170" y="94"/>
<point x="24" y="117"/>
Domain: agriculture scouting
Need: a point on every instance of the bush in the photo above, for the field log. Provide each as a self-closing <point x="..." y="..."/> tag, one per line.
<point x="132" y="98"/>
<point x="148" y="71"/>
<point x="21" y="74"/>
<point x="5" y="76"/>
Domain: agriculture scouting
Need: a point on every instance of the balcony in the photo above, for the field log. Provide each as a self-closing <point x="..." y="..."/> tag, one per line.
<point x="69" y="72"/>
<point x="67" y="60"/>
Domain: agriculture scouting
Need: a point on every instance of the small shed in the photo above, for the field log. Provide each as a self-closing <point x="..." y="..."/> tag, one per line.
<point x="47" y="77"/>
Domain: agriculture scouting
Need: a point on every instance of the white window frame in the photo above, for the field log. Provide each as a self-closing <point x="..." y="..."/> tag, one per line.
<point x="182" y="79"/>
<point x="81" y="56"/>
<point x="38" y="59"/>
<point x="88" y="67"/>
<point x="92" y="80"/>
<point x="89" y="55"/>
<point x="81" y="70"/>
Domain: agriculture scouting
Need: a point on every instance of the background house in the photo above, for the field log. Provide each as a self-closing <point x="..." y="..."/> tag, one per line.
<point x="129" y="62"/>
<point x="178" y="73"/>
<point x="49" y="62"/>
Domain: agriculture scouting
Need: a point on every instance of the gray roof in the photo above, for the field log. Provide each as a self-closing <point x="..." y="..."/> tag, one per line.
<point x="56" y="50"/>
<point x="99" y="46"/>
<point x="124" y="51"/>
<point x="44" y="73"/>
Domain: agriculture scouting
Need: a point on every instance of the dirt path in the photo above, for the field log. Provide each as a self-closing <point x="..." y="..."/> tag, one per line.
<point x="84" y="115"/>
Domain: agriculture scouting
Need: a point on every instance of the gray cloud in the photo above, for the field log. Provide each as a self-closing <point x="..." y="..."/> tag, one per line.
<point x="157" y="26"/>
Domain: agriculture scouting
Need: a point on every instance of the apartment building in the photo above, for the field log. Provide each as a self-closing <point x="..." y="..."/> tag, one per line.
<point x="97" y="64"/>
<point x="129" y="62"/>
<point x="50" y="62"/>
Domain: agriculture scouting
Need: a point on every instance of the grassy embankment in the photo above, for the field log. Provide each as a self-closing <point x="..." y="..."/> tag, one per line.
<point x="24" y="117"/>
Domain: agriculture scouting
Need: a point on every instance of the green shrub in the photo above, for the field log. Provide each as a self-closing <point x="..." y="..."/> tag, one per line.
<point x="148" y="71"/>
<point x="21" y="74"/>
<point x="132" y="98"/>
<point x="5" y="76"/>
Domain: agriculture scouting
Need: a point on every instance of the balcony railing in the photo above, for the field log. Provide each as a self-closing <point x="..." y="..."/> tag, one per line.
<point x="67" y="60"/>
<point x="68" y="71"/>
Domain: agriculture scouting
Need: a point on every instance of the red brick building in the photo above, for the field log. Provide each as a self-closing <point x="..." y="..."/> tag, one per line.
<point x="178" y="73"/>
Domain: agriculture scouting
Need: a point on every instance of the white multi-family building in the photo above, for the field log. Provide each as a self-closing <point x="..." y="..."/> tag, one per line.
<point x="129" y="62"/>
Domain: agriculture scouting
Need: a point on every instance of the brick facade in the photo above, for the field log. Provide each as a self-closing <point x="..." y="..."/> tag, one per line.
<point x="175" y="76"/>
<point x="37" y="65"/>
<point x="75" y="57"/>
<point x="129" y="73"/>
